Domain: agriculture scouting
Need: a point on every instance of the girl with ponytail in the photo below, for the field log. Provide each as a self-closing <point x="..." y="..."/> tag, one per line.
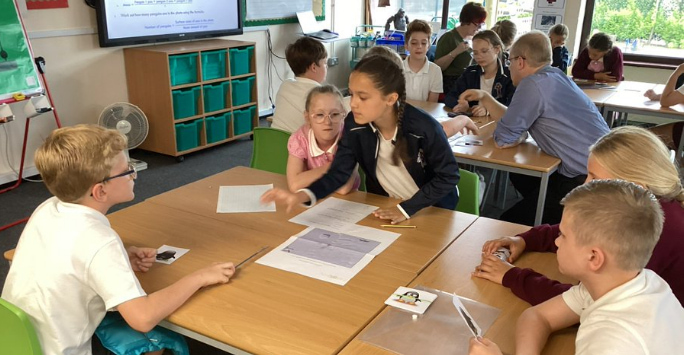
<point x="403" y="150"/>
<point x="627" y="153"/>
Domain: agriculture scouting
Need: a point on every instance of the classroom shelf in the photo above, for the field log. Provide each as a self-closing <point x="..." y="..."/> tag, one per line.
<point x="154" y="73"/>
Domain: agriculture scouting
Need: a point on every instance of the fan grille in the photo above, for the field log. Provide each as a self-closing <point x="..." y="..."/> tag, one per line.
<point x="127" y="119"/>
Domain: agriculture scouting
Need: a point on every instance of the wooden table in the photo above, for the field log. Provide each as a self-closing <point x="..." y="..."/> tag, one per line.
<point x="439" y="111"/>
<point x="600" y="96"/>
<point x="266" y="310"/>
<point x="451" y="273"/>
<point x="436" y="227"/>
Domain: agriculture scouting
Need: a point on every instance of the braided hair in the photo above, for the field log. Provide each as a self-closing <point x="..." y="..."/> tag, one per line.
<point x="388" y="78"/>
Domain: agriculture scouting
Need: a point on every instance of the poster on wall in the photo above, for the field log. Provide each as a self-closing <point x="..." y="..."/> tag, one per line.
<point x="551" y="4"/>
<point x="17" y="70"/>
<point x="46" y="4"/>
<point x="548" y="13"/>
<point x="543" y="22"/>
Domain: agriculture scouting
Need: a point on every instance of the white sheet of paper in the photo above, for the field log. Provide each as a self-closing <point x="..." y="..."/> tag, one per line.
<point x="245" y="198"/>
<point x="179" y="252"/>
<point x="467" y="318"/>
<point x="334" y="214"/>
<point x="329" y="256"/>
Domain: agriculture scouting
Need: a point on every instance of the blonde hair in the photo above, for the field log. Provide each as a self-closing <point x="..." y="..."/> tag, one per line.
<point x="621" y="217"/>
<point x="559" y="29"/>
<point x="73" y="159"/>
<point x="638" y="155"/>
<point x="535" y="47"/>
<point x="506" y="29"/>
<point x="387" y="53"/>
<point x="323" y="89"/>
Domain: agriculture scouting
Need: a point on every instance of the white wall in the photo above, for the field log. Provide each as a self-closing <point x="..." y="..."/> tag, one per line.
<point x="84" y="78"/>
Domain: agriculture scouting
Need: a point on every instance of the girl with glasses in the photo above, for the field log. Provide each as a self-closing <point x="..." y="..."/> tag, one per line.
<point x="490" y="74"/>
<point x="403" y="150"/>
<point x="312" y="147"/>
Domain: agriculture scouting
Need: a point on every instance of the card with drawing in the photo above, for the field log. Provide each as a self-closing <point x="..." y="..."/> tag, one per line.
<point x="469" y="320"/>
<point x="167" y="254"/>
<point x="411" y="299"/>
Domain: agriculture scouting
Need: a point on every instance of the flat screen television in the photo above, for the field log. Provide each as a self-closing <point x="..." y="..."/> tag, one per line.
<point x="130" y="22"/>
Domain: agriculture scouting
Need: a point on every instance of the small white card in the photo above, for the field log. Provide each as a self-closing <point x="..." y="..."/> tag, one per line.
<point x="467" y="318"/>
<point x="241" y="199"/>
<point x="168" y="258"/>
<point x="411" y="299"/>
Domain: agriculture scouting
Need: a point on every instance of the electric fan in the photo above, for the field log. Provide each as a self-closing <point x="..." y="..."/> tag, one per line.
<point x="130" y="121"/>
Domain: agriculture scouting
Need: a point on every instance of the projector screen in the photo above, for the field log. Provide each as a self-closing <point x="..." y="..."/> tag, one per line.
<point x="126" y="22"/>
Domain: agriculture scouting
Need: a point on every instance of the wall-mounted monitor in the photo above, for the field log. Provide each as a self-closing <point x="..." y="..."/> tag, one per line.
<point x="130" y="22"/>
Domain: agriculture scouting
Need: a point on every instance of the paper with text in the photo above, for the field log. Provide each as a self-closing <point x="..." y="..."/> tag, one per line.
<point x="334" y="213"/>
<point x="330" y="256"/>
<point x="240" y="199"/>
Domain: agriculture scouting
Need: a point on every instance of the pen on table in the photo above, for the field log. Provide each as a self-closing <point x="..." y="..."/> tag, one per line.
<point x="250" y="257"/>
<point x="396" y="226"/>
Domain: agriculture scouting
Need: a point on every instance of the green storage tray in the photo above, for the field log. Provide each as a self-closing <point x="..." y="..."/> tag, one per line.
<point x="242" y="120"/>
<point x="215" y="96"/>
<point x="214" y="64"/>
<point x="240" y="60"/>
<point x="217" y="127"/>
<point x="242" y="91"/>
<point x="185" y="102"/>
<point x="188" y="135"/>
<point x="183" y="68"/>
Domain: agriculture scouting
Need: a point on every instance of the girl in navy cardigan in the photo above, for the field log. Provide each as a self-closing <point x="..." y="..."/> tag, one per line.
<point x="489" y="74"/>
<point x="599" y="61"/>
<point x="403" y="150"/>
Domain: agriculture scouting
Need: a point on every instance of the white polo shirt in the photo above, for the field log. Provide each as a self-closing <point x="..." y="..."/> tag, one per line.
<point x="420" y="84"/>
<point x="641" y="316"/>
<point x="291" y="103"/>
<point x="69" y="268"/>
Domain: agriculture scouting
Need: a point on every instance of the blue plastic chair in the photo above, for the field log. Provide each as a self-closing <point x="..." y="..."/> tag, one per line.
<point x="468" y="193"/>
<point x="269" y="152"/>
<point x="17" y="335"/>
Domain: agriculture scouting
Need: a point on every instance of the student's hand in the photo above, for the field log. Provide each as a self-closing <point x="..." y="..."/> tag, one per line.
<point x="460" y="124"/>
<point x="462" y="47"/>
<point x="483" y="346"/>
<point x="652" y="95"/>
<point x="290" y="199"/>
<point x="472" y="95"/>
<point x="479" y="110"/>
<point x="461" y="106"/>
<point x="492" y="269"/>
<point x="393" y="214"/>
<point x="605" y="76"/>
<point x="141" y="259"/>
<point x="217" y="273"/>
<point x="515" y="244"/>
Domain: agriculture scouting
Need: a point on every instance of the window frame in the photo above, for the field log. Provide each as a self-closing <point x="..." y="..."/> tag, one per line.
<point x="631" y="59"/>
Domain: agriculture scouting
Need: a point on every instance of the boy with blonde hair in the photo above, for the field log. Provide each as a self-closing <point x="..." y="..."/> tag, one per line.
<point x="70" y="266"/>
<point x="607" y="234"/>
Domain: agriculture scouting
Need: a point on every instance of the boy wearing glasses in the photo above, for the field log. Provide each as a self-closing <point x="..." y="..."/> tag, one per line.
<point x="308" y="60"/>
<point x="313" y="146"/>
<point x="70" y="267"/>
<point x="560" y="117"/>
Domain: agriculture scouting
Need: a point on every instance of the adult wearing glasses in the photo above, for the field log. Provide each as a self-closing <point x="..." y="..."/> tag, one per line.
<point x="453" y="51"/>
<point x="559" y="116"/>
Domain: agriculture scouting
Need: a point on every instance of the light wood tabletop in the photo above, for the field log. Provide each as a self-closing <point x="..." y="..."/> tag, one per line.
<point x="634" y="101"/>
<point x="262" y="310"/>
<point x="451" y="273"/>
<point x="440" y="112"/>
<point x="413" y="251"/>
<point x="600" y="96"/>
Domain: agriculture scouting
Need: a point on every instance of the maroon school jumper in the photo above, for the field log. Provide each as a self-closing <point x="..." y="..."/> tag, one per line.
<point x="612" y="63"/>
<point x="667" y="259"/>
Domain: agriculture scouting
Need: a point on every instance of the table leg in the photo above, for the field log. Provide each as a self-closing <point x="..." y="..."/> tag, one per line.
<point x="542" y="198"/>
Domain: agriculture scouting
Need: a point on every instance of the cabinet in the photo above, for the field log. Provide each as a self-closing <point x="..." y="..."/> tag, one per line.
<point x="194" y="94"/>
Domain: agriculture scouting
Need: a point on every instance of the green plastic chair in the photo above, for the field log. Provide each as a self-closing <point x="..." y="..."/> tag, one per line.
<point x="468" y="193"/>
<point x="17" y="335"/>
<point x="269" y="152"/>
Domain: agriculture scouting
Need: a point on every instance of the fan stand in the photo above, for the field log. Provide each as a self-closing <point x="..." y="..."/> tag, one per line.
<point x="139" y="165"/>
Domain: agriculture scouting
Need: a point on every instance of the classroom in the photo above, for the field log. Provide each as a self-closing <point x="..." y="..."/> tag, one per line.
<point x="341" y="177"/>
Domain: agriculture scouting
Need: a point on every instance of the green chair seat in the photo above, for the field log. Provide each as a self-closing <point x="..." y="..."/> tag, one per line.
<point x="17" y="335"/>
<point x="469" y="193"/>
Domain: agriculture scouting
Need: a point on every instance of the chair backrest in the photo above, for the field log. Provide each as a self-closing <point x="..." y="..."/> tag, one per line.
<point x="17" y="336"/>
<point x="468" y="193"/>
<point x="269" y="152"/>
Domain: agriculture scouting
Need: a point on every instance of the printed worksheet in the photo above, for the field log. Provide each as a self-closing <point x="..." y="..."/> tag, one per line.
<point x="240" y="199"/>
<point x="334" y="213"/>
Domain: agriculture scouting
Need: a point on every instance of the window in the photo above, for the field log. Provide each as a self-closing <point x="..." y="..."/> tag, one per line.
<point x="428" y="10"/>
<point x="649" y="31"/>
<point x="518" y="11"/>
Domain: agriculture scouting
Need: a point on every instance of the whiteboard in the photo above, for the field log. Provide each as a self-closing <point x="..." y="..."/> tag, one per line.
<point x="18" y="72"/>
